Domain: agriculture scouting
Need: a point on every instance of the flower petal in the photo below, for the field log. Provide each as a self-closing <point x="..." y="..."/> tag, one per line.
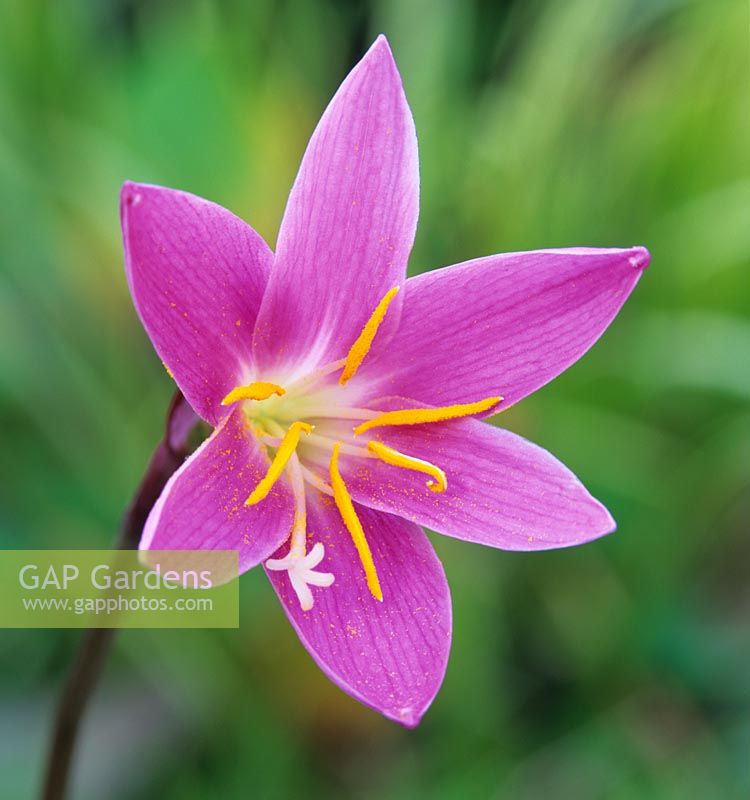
<point x="502" y="490"/>
<point x="392" y="655"/>
<point x="202" y="505"/>
<point x="349" y="224"/>
<point x="502" y="325"/>
<point x="197" y="275"/>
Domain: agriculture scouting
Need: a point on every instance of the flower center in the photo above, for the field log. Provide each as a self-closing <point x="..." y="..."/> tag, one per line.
<point x="306" y="422"/>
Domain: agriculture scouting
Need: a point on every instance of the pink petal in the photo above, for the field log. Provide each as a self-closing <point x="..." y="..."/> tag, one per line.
<point x="197" y="275"/>
<point x="202" y="505"/>
<point x="349" y="223"/>
<point x="503" y="325"/>
<point x="502" y="490"/>
<point x="392" y="655"/>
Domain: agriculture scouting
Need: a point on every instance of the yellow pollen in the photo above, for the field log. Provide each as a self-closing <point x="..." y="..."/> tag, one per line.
<point x="416" y="416"/>
<point x="260" y="390"/>
<point x="396" y="459"/>
<point x="361" y="347"/>
<point x="346" y="508"/>
<point x="283" y="454"/>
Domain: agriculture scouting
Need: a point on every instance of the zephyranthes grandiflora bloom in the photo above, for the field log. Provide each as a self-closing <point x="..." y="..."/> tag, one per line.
<point x="346" y="400"/>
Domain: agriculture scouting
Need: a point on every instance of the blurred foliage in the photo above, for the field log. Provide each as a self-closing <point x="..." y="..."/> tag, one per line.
<point x="615" y="670"/>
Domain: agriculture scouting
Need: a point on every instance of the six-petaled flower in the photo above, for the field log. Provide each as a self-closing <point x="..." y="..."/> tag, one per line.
<point x="347" y="401"/>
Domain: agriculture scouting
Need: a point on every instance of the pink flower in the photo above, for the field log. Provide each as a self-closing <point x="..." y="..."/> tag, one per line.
<point x="346" y="400"/>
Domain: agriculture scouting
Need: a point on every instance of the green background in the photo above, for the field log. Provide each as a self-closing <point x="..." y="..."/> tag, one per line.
<point x="615" y="670"/>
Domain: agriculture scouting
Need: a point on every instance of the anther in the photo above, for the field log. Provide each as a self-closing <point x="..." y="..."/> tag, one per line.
<point x="417" y="416"/>
<point x="283" y="454"/>
<point x="260" y="390"/>
<point x="361" y="346"/>
<point x="397" y="459"/>
<point x="344" y="503"/>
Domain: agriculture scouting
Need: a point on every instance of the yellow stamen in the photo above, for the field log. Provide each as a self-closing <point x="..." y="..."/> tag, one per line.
<point x="361" y="347"/>
<point x="346" y="508"/>
<point x="283" y="454"/>
<point x="396" y="459"/>
<point x="416" y="416"/>
<point x="260" y="390"/>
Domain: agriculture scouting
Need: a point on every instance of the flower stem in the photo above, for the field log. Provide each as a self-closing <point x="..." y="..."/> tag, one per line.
<point x="96" y="642"/>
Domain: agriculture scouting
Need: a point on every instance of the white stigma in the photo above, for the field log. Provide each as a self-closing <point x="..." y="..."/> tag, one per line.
<point x="302" y="574"/>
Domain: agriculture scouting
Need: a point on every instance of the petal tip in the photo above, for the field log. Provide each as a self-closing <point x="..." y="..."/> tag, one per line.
<point x="130" y="189"/>
<point x="133" y="193"/>
<point x="130" y="195"/>
<point x="381" y="43"/>
<point x="605" y="522"/>
<point x="380" y="52"/>
<point x="640" y="257"/>
<point x="407" y="717"/>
